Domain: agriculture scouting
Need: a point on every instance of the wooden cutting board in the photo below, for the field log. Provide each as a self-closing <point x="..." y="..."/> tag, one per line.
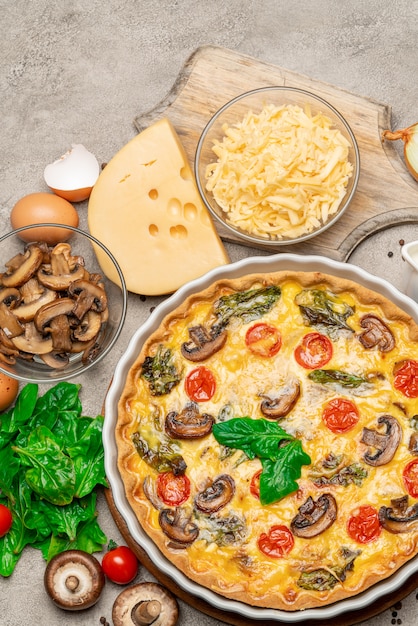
<point x="386" y="193"/>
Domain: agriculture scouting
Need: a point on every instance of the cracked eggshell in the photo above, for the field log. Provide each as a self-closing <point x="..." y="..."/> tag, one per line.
<point x="73" y="175"/>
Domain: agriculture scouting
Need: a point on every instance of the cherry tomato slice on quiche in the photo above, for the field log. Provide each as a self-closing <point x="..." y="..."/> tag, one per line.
<point x="277" y="543"/>
<point x="263" y="340"/>
<point x="173" y="490"/>
<point x="340" y="415"/>
<point x="410" y="478"/>
<point x="200" y="384"/>
<point x="6" y="520"/>
<point x="314" y="351"/>
<point x="255" y="484"/>
<point x="406" y="378"/>
<point x="364" y="526"/>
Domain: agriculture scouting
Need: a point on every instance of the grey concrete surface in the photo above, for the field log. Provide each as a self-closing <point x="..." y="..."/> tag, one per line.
<point x="74" y="71"/>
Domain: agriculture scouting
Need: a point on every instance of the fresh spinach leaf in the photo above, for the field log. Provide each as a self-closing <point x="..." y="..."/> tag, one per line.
<point x="49" y="455"/>
<point x="51" y="473"/>
<point x="88" y="459"/>
<point x="281" y="455"/>
<point x="278" y="478"/>
<point x="256" y="437"/>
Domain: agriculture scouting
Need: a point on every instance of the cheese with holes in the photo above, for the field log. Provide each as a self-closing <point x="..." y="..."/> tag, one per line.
<point x="146" y="208"/>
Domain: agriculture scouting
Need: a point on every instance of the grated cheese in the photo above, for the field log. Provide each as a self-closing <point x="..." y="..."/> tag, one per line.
<point x="280" y="173"/>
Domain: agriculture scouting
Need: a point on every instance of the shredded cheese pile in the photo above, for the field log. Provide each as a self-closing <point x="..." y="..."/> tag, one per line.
<point x="280" y="173"/>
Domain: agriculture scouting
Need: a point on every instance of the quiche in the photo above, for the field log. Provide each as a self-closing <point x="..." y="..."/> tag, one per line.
<point x="267" y="438"/>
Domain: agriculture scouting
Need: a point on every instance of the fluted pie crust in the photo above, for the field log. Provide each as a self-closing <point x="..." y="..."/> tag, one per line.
<point x="234" y="566"/>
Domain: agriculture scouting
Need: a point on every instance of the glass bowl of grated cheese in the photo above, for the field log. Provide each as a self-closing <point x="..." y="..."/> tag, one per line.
<point x="277" y="166"/>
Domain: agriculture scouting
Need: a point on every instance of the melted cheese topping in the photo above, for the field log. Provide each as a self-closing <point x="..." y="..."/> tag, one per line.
<point x="240" y="567"/>
<point x="280" y="173"/>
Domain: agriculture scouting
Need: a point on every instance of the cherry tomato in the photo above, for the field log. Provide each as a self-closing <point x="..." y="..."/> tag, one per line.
<point x="263" y="339"/>
<point x="120" y="565"/>
<point x="364" y="526"/>
<point x="6" y="520"/>
<point x="406" y="378"/>
<point x="200" y="384"/>
<point x="255" y="484"/>
<point x="172" y="489"/>
<point x="314" y="351"/>
<point x="340" y="415"/>
<point x="410" y="478"/>
<point x="277" y="543"/>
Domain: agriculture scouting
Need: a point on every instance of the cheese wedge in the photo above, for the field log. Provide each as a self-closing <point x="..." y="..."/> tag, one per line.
<point x="146" y="208"/>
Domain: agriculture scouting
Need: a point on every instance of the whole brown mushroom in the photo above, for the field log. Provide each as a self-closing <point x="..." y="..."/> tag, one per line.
<point x="144" y="604"/>
<point x="74" y="580"/>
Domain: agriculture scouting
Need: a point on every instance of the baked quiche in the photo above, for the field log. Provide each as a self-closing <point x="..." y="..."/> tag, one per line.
<point x="267" y="438"/>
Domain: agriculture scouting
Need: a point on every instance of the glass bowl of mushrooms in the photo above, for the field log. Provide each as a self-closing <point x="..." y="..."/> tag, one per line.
<point x="60" y="313"/>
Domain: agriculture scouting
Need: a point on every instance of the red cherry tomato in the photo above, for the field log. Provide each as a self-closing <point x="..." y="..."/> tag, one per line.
<point x="6" y="520"/>
<point x="340" y="415"/>
<point x="314" y="351"/>
<point x="120" y="565"/>
<point x="200" y="384"/>
<point x="255" y="484"/>
<point x="410" y="478"/>
<point x="172" y="489"/>
<point x="364" y="526"/>
<point x="263" y="339"/>
<point x="277" y="542"/>
<point x="406" y="378"/>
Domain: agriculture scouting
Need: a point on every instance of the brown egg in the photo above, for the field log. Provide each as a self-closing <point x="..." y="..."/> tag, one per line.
<point x="9" y="388"/>
<point x="41" y="207"/>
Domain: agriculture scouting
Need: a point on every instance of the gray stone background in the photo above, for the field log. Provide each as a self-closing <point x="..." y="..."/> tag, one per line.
<point x="74" y="71"/>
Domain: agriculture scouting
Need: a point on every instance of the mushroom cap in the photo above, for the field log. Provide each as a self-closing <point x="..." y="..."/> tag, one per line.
<point x="127" y="606"/>
<point x="74" y="580"/>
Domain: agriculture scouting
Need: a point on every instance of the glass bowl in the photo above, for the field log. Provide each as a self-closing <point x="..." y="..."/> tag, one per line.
<point x="233" y="113"/>
<point x="43" y="342"/>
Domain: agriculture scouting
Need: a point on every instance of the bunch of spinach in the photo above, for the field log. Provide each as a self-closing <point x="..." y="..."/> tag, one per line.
<point x="51" y="459"/>
<point x="281" y="455"/>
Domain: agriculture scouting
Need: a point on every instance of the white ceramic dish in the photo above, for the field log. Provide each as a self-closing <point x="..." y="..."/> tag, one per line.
<point x="247" y="266"/>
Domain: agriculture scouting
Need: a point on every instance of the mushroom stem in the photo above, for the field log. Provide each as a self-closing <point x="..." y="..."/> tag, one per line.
<point x="145" y="612"/>
<point x="72" y="583"/>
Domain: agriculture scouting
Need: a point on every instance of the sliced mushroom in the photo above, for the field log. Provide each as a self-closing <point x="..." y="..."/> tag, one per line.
<point x="32" y="341"/>
<point x="74" y="580"/>
<point x="8" y="350"/>
<point x="60" y="331"/>
<point x="31" y="261"/>
<point x="62" y="270"/>
<point x="43" y="317"/>
<point x="33" y="296"/>
<point x="202" y="344"/>
<point x="177" y="525"/>
<point x="189" y="424"/>
<point x="89" y="326"/>
<point x="88" y="295"/>
<point x="314" y="517"/>
<point x="376" y="333"/>
<point x="399" y="518"/>
<point x="217" y="495"/>
<point x="150" y="492"/>
<point x="283" y="403"/>
<point x="143" y="604"/>
<point x="413" y="444"/>
<point x="56" y="360"/>
<point x="382" y="446"/>
<point x="9" y="322"/>
<point x="10" y="296"/>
